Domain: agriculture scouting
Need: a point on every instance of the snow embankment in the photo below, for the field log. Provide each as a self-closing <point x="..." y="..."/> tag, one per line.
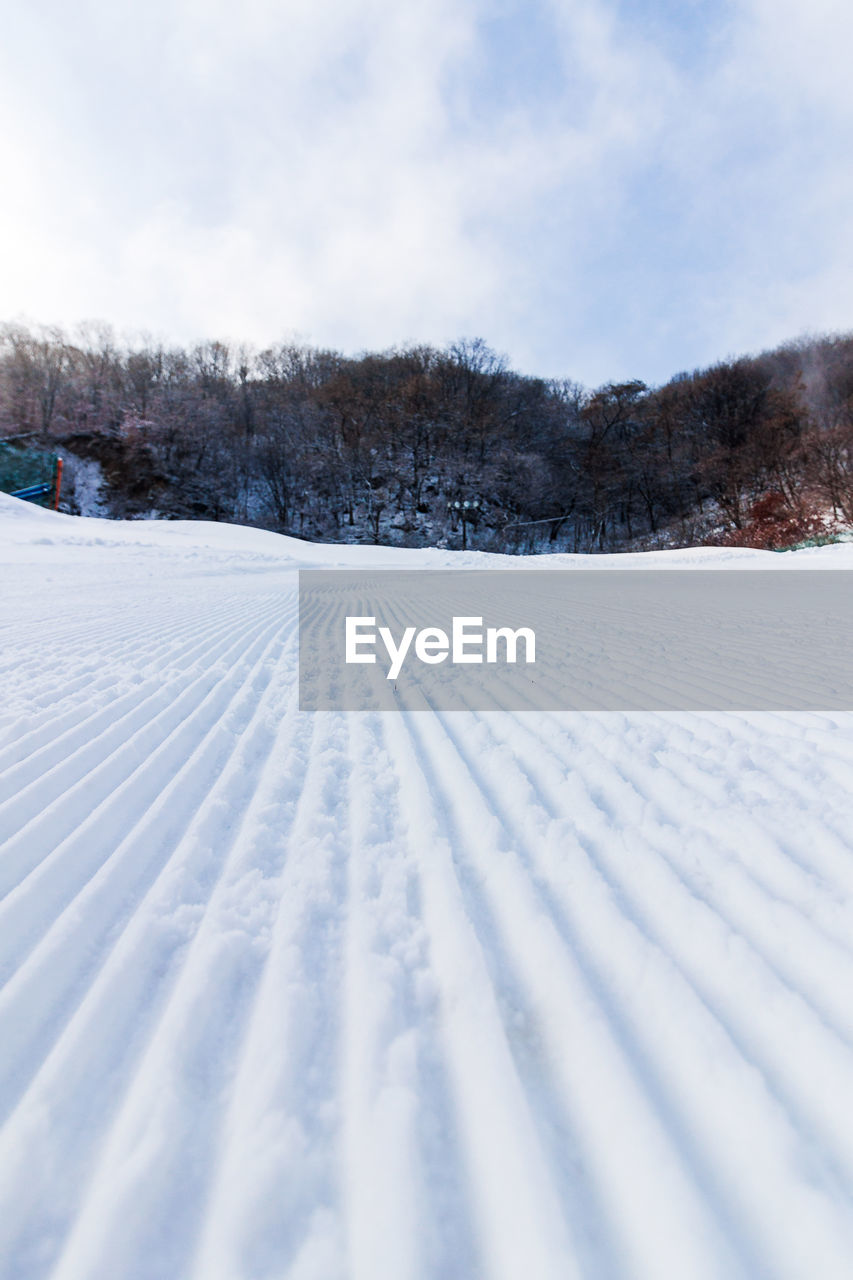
<point x="370" y="996"/>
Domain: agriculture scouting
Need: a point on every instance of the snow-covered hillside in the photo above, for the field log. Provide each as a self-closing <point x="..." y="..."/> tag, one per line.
<point x="390" y="997"/>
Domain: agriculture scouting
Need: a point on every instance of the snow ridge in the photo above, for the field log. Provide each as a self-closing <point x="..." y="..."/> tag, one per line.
<point x="392" y="996"/>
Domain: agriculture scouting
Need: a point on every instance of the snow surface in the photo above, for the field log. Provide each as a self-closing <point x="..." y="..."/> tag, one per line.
<point x="384" y="996"/>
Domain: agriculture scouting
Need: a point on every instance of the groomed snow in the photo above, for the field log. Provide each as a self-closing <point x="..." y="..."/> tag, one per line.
<point x="389" y="997"/>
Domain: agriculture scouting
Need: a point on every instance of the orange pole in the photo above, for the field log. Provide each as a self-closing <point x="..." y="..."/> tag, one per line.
<point x="58" y="484"/>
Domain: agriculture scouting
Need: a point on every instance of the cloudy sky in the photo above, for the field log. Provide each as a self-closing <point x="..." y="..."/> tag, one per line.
<point x="599" y="188"/>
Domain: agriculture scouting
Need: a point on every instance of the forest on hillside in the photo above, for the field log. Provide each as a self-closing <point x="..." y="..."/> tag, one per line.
<point x="423" y="446"/>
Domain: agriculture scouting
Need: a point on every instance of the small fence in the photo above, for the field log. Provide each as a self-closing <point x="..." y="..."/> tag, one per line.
<point x="30" y="474"/>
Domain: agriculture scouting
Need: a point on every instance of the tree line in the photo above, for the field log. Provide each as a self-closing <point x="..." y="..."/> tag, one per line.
<point x="425" y="446"/>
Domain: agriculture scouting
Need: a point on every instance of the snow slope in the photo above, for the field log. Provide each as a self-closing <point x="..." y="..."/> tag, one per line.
<point x="386" y="996"/>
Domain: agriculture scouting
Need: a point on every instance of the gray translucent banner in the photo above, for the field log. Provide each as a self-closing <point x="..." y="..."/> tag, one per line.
<point x="582" y="640"/>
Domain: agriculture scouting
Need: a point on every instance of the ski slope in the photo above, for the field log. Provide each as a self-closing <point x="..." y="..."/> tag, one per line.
<point x="389" y="996"/>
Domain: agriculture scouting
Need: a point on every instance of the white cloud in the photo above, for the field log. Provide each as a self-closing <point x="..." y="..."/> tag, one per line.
<point x="328" y="169"/>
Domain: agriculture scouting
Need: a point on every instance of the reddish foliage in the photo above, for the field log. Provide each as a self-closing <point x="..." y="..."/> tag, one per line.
<point x="773" y="526"/>
<point x="770" y="508"/>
